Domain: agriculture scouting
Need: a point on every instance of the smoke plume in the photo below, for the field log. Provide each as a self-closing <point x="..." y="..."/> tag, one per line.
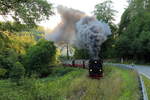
<point x="90" y="34"/>
<point x="82" y="31"/>
<point x="65" y="30"/>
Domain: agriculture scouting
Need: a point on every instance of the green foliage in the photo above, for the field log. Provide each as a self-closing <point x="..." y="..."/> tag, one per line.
<point x="12" y="48"/>
<point x="7" y="59"/>
<point x="17" y="73"/>
<point x="104" y="12"/>
<point x="19" y="43"/>
<point x="81" y="54"/>
<point x="15" y="29"/>
<point x="4" y="40"/>
<point x="26" y="11"/>
<point x="40" y="56"/>
<point x="147" y="85"/>
<point x="13" y="26"/>
<point x="108" y="49"/>
<point x="75" y="85"/>
<point x="59" y="72"/>
<point x="2" y="72"/>
<point x="133" y="42"/>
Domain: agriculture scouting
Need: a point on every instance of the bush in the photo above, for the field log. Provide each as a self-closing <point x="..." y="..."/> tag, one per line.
<point x="39" y="57"/>
<point x="81" y="54"/>
<point x="5" y="63"/>
<point x="2" y="72"/>
<point x="17" y="73"/>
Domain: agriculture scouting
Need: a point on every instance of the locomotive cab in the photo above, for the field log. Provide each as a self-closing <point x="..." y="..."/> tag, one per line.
<point x="95" y="68"/>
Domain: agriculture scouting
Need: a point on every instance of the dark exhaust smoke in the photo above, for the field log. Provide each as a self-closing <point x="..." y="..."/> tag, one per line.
<point x="90" y="34"/>
<point x="80" y="30"/>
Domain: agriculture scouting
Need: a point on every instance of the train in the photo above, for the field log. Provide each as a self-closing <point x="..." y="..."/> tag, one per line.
<point x="94" y="66"/>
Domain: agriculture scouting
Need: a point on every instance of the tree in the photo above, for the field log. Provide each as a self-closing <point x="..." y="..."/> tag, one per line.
<point x="17" y="73"/>
<point x="4" y="40"/>
<point x="104" y="12"/>
<point x="7" y="59"/>
<point x="12" y="47"/>
<point x="13" y="27"/>
<point x="133" y="40"/>
<point x="39" y="57"/>
<point x="81" y="54"/>
<point x="18" y="42"/>
<point x="26" y="11"/>
<point x="2" y="72"/>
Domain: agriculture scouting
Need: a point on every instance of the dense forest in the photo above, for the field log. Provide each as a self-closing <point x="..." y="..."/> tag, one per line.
<point x="130" y="39"/>
<point x="134" y="32"/>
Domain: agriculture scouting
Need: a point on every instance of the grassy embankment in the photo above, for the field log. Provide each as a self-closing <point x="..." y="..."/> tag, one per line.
<point x="127" y="62"/>
<point x="73" y="84"/>
<point x="147" y="85"/>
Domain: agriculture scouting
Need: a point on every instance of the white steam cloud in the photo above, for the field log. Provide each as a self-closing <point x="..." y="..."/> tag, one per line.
<point x="65" y="31"/>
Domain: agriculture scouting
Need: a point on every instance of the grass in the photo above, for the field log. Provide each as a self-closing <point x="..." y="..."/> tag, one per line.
<point x="74" y="84"/>
<point x="117" y="84"/>
<point x="127" y="62"/>
<point x="147" y="85"/>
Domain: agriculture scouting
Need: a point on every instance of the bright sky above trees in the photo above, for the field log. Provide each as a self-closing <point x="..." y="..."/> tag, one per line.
<point x="86" y="6"/>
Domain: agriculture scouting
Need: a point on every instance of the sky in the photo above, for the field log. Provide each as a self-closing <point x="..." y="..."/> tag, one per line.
<point x="86" y="6"/>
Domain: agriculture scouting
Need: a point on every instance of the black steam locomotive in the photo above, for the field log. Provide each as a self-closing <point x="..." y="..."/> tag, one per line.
<point x="95" y="66"/>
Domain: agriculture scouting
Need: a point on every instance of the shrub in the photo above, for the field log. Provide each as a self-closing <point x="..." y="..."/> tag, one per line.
<point x="17" y="73"/>
<point x="2" y="72"/>
<point x="40" y="56"/>
<point x="81" y="54"/>
<point x="5" y="63"/>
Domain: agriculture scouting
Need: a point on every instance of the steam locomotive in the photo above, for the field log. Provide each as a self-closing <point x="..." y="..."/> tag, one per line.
<point x="95" y="66"/>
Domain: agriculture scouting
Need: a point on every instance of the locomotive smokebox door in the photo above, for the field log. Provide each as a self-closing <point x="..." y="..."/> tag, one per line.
<point x="95" y="68"/>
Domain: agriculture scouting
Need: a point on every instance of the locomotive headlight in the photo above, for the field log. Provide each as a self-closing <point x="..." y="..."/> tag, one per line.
<point x="90" y="70"/>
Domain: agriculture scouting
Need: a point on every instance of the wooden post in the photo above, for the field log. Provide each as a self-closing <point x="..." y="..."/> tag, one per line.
<point x="67" y="51"/>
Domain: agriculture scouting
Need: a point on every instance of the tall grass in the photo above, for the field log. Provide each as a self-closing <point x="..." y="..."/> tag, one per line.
<point x="74" y="84"/>
<point x="51" y="88"/>
<point x="117" y="84"/>
<point x="147" y="85"/>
